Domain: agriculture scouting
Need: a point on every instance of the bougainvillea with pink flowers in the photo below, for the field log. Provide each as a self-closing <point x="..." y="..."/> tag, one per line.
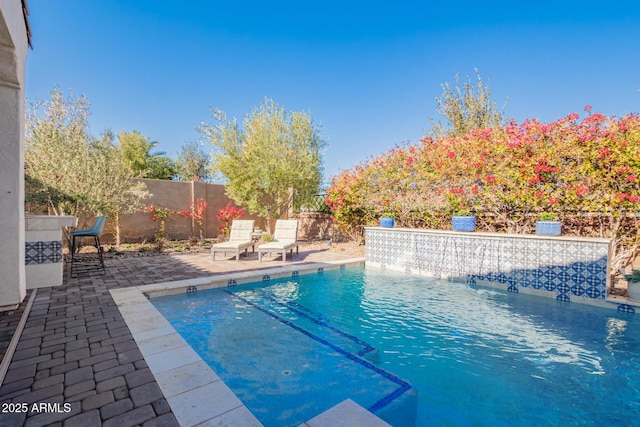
<point x="585" y="170"/>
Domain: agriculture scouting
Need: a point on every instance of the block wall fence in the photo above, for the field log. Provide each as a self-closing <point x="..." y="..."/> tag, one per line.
<point x="178" y="196"/>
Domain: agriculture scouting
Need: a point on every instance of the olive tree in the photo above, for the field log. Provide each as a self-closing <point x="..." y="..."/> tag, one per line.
<point x="193" y="162"/>
<point x="274" y="158"/>
<point x="466" y="107"/>
<point x="70" y="172"/>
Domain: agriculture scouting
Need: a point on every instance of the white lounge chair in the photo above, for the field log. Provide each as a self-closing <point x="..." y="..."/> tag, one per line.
<point x="284" y="239"/>
<point x="239" y="239"/>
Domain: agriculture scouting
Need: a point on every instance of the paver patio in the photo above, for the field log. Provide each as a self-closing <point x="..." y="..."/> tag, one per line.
<point x="76" y="349"/>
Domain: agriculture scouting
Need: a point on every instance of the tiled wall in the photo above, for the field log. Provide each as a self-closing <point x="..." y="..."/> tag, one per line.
<point x="564" y="268"/>
<point x="43" y="252"/>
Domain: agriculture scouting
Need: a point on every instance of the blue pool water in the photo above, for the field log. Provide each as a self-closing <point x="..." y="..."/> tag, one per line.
<point x="414" y="351"/>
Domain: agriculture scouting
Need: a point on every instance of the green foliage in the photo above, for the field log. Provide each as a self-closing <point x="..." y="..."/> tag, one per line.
<point x="586" y="171"/>
<point x="192" y="163"/>
<point x="549" y="216"/>
<point x="274" y="158"/>
<point x="161" y="167"/>
<point x="634" y="277"/>
<point x="463" y="212"/>
<point x="69" y="171"/>
<point x="136" y="149"/>
<point x="196" y="212"/>
<point x="465" y="108"/>
<point x="159" y="215"/>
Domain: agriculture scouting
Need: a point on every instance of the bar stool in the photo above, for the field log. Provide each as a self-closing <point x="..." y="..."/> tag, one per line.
<point x="94" y="231"/>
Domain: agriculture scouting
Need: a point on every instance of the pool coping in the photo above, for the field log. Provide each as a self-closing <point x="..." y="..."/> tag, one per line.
<point x="195" y="393"/>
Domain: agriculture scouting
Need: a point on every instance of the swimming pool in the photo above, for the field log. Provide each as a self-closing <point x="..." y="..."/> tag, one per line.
<point x="413" y="350"/>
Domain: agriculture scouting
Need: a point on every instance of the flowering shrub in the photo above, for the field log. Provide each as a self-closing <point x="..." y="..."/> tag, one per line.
<point x="585" y="171"/>
<point x="226" y="215"/>
<point x="160" y="215"/>
<point x="196" y="212"/>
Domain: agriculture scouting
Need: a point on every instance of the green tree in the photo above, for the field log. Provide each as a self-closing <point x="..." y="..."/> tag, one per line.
<point x="275" y="158"/>
<point x="136" y="149"/>
<point x="193" y="162"/>
<point x="466" y="107"/>
<point x="161" y="167"/>
<point x="70" y="172"/>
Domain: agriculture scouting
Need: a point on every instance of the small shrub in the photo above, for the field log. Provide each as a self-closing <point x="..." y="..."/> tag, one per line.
<point x="463" y="212"/>
<point x="633" y="277"/>
<point x="160" y="215"/>
<point x="549" y="216"/>
<point x="196" y="212"/>
<point x="226" y="215"/>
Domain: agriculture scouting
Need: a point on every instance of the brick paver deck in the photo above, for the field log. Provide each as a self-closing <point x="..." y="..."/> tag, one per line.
<point x="77" y="354"/>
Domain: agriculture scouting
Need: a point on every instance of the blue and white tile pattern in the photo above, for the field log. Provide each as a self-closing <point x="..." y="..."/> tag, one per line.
<point x="568" y="269"/>
<point x="43" y="252"/>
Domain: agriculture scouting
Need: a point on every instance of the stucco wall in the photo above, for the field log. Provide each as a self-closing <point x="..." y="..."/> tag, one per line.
<point x="13" y="55"/>
<point x="314" y="226"/>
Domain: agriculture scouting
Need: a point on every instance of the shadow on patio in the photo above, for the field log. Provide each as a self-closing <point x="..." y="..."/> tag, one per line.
<point x="76" y="350"/>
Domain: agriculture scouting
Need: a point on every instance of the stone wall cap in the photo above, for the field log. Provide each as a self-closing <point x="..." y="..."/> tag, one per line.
<point x="496" y="235"/>
<point x="49" y="222"/>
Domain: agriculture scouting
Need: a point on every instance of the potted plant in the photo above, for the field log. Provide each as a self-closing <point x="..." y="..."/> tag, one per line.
<point x="633" y="284"/>
<point x="463" y="220"/>
<point x="387" y="220"/>
<point x="549" y="225"/>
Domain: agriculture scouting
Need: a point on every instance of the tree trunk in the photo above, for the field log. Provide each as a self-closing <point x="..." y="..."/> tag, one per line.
<point x="116" y="220"/>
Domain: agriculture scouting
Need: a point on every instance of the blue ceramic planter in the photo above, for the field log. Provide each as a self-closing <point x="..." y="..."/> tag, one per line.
<point x="387" y="222"/>
<point x="463" y="223"/>
<point x="548" y="228"/>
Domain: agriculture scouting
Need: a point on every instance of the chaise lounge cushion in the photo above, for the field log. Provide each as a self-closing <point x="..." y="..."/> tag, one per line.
<point x="284" y="239"/>
<point x="239" y="239"/>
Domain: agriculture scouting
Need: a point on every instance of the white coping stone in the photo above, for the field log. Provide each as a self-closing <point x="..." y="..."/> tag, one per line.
<point x="171" y="285"/>
<point x="146" y="320"/>
<point x="171" y="359"/>
<point x="157" y="286"/>
<point x="153" y="333"/>
<point x="48" y="222"/>
<point x="239" y="417"/>
<point x="201" y="281"/>
<point x="135" y="309"/>
<point x="123" y="295"/>
<point x="346" y="414"/>
<point x="203" y="403"/>
<point x="185" y="378"/>
<point x="160" y="344"/>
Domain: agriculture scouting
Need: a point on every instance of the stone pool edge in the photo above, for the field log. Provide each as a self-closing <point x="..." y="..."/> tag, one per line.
<point x="195" y="393"/>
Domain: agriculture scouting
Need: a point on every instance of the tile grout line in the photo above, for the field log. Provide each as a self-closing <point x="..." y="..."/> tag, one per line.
<point x="6" y="360"/>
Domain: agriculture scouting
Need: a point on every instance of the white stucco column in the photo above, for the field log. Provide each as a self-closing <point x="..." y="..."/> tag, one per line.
<point x="13" y="55"/>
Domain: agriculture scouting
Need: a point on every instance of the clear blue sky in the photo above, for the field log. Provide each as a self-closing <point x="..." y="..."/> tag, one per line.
<point x="368" y="72"/>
